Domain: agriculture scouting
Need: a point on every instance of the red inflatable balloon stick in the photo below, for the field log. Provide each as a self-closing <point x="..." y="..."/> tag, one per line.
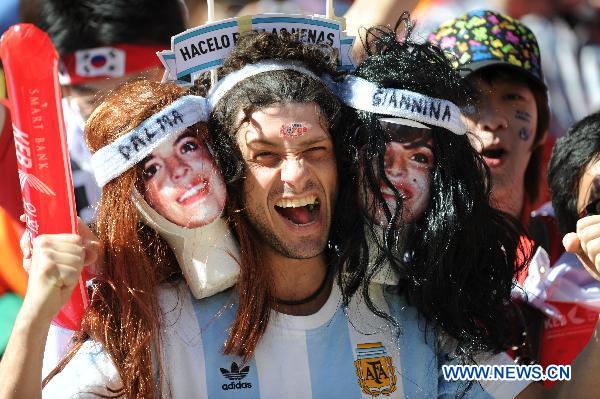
<point x="31" y="67"/>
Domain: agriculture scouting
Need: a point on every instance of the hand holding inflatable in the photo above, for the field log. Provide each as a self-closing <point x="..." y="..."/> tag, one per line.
<point x="56" y="264"/>
<point x="31" y="66"/>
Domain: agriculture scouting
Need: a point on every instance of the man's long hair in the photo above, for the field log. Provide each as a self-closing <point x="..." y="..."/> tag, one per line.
<point x="255" y="93"/>
<point x="457" y="261"/>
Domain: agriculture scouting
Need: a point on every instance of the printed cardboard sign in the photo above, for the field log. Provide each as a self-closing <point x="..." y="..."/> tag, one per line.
<point x="203" y="48"/>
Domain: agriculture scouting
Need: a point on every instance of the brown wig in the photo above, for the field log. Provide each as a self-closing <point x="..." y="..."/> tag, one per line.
<point x="257" y="92"/>
<point x="124" y="314"/>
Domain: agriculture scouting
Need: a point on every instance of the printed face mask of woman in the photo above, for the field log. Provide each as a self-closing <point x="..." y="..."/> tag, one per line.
<point x="407" y="163"/>
<point x="182" y="182"/>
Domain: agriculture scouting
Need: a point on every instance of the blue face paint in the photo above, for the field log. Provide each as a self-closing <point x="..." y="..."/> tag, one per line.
<point x="524" y="134"/>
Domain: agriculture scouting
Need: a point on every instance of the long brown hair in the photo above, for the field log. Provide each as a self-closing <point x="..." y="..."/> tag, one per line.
<point x="124" y="314"/>
<point x="257" y="92"/>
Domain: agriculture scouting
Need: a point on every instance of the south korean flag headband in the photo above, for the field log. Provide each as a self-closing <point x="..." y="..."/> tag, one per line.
<point x="363" y="95"/>
<point x="115" y="158"/>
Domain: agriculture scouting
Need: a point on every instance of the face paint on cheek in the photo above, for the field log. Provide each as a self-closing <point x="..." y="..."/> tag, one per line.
<point x="524" y="134"/>
<point x="293" y="129"/>
<point x="523" y="116"/>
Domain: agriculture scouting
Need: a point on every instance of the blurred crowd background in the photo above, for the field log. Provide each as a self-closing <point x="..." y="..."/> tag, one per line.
<point x="568" y="32"/>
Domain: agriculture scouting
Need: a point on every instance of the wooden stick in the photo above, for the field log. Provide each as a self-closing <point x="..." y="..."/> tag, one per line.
<point x="211" y="18"/>
<point x="329" y="12"/>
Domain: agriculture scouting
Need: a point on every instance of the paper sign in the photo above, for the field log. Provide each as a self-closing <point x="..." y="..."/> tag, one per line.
<point x="204" y="48"/>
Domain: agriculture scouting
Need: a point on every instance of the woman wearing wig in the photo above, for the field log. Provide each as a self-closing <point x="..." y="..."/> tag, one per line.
<point x="159" y="222"/>
<point x="433" y="237"/>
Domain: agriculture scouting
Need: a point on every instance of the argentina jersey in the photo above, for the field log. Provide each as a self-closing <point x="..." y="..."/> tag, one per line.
<point x="338" y="352"/>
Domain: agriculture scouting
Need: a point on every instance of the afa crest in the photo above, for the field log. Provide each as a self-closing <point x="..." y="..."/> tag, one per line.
<point x="375" y="371"/>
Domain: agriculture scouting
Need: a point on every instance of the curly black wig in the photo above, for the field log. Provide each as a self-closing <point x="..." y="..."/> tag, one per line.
<point x="571" y="155"/>
<point x="457" y="261"/>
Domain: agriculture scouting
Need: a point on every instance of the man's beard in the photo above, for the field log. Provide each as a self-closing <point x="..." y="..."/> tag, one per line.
<point x="268" y="237"/>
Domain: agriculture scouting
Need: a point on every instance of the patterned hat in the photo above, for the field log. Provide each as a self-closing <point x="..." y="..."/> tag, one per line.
<point x="484" y="38"/>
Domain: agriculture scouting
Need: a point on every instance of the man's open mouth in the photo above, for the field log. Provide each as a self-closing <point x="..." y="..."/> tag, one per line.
<point x="299" y="211"/>
<point x="494" y="157"/>
<point x="495" y="153"/>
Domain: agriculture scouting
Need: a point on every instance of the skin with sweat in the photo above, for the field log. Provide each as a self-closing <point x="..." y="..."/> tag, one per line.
<point x="291" y="180"/>
<point x="290" y="190"/>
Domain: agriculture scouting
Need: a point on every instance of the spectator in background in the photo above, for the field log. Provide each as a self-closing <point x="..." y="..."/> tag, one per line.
<point x="567" y="31"/>
<point x="509" y="121"/>
<point x="121" y="43"/>
<point x="574" y="180"/>
<point x="501" y="57"/>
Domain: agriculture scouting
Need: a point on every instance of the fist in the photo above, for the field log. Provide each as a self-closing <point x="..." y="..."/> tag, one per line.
<point x="84" y="232"/>
<point x="56" y="264"/>
<point x="585" y="243"/>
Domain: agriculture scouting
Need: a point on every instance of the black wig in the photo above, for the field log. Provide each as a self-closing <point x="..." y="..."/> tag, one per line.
<point x="80" y="24"/>
<point x="571" y="154"/>
<point x="458" y="260"/>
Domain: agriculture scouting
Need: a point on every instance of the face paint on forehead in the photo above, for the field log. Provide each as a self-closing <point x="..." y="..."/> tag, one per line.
<point x="293" y="129"/>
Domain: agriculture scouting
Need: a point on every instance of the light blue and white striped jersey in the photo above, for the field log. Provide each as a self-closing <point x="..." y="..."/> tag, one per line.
<point x="338" y="352"/>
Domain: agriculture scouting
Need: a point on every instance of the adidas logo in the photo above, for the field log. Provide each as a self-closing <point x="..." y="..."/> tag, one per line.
<point x="235" y="374"/>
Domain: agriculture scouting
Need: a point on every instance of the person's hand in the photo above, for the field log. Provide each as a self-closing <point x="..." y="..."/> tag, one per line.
<point x="585" y="243"/>
<point x="55" y="266"/>
<point x="25" y="243"/>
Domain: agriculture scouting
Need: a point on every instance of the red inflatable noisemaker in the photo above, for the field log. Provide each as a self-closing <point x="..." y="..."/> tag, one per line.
<point x="30" y="63"/>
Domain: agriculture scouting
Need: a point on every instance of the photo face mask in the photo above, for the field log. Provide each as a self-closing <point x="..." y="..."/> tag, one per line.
<point x="184" y="199"/>
<point x="407" y="164"/>
<point x="182" y="182"/>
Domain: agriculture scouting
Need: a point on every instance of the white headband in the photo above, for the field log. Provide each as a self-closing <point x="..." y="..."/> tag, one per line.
<point x="117" y="157"/>
<point x="224" y="85"/>
<point x="366" y="96"/>
<point x="120" y="155"/>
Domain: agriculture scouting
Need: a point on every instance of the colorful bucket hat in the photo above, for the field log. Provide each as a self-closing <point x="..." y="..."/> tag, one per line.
<point x="483" y="38"/>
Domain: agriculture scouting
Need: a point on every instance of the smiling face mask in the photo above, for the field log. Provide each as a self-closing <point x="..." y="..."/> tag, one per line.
<point x="208" y="256"/>
<point x="184" y="199"/>
<point x="184" y="194"/>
